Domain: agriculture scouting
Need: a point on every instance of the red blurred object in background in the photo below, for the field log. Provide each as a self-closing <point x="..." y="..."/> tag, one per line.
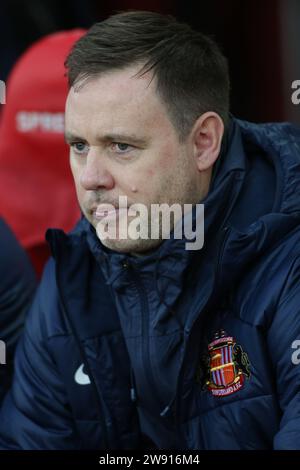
<point x="36" y="185"/>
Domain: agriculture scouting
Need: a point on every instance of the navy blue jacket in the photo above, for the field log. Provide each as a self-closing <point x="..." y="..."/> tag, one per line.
<point x="17" y="287"/>
<point x="179" y="349"/>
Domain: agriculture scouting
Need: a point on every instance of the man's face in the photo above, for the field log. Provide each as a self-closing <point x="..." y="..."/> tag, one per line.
<point x="124" y="144"/>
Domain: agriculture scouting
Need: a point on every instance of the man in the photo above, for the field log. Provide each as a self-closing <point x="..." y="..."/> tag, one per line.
<point x="17" y="289"/>
<point x="135" y="342"/>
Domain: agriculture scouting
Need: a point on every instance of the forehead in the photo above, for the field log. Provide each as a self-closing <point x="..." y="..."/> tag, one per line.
<point x="114" y="101"/>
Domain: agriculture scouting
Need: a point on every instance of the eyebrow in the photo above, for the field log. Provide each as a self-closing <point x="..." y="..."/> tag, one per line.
<point x="69" y="137"/>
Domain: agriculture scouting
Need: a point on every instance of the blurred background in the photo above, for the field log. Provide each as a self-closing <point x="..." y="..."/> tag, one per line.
<point x="261" y="39"/>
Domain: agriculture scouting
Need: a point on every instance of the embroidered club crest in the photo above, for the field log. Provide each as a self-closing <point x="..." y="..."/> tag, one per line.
<point x="227" y="366"/>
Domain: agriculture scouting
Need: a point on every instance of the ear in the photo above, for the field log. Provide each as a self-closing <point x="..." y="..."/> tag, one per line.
<point x="206" y="137"/>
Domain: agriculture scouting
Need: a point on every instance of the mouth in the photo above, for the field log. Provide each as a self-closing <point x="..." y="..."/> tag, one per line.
<point x="108" y="212"/>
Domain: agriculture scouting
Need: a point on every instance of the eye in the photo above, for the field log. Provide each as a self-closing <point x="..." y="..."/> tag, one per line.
<point x="120" y="147"/>
<point x="80" y="148"/>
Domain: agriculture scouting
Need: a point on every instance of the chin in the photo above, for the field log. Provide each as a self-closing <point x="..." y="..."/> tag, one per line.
<point x="131" y="246"/>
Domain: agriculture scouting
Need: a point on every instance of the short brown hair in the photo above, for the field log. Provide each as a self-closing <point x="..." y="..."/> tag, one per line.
<point x="190" y="70"/>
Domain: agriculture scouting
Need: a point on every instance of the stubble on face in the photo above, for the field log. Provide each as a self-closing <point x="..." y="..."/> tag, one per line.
<point x="175" y="187"/>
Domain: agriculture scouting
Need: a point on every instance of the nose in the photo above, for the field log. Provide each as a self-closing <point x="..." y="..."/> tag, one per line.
<point x="94" y="174"/>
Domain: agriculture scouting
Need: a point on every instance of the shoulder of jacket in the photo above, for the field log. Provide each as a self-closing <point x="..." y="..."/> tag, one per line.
<point x="270" y="282"/>
<point x="46" y="314"/>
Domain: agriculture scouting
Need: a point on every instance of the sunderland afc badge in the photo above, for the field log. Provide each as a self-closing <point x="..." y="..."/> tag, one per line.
<point x="225" y="366"/>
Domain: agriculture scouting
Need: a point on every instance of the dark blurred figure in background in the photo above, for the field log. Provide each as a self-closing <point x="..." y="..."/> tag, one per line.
<point x="36" y="186"/>
<point x="17" y="287"/>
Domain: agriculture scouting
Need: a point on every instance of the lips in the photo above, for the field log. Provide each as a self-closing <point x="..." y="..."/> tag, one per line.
<point x="107" y="212"/>
<point x="103" y="212"/>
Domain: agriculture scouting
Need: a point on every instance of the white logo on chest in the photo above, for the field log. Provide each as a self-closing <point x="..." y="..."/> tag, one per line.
<point x="80" y="377"/>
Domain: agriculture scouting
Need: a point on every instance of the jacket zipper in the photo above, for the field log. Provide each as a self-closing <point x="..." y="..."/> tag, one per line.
<point x="226" y="232"/>
<point x="145" y="330"/>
